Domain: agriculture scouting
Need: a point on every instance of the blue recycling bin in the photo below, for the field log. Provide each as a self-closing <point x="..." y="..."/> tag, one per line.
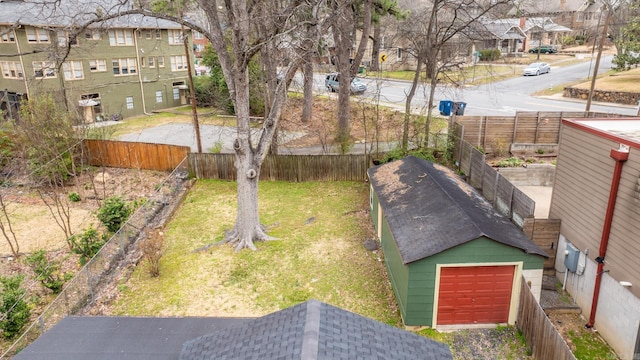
<point x="458" y="108"/>
<point x="445" y="107"/>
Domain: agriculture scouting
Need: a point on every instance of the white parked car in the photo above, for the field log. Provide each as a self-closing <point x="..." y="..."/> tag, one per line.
<point x="357" y="85"/>
<point x="537" y="69"/>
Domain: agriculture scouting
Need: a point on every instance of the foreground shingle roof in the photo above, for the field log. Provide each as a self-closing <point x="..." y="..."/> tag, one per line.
<point x="109" y="338"/>
<point x="430" y="209"/>
<point x="314" y="330"/>
<point x="309" y="331"/>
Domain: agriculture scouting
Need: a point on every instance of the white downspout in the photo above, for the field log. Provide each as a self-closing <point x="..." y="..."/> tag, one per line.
<point x="144" y="103"/>
<point x="24" y="70"/>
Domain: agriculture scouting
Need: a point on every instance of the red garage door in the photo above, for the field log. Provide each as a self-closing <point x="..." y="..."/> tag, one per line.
<point x="475" y="295"/>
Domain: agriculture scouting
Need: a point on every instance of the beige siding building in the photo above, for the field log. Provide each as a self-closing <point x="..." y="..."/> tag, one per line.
<point x="597" y="197"/>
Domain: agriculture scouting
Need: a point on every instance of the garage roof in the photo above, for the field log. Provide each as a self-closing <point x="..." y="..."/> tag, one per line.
<point x="430" y="209"/>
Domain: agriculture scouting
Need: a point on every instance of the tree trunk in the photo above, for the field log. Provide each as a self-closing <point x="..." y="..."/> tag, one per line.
<point x="432" y="92"/>
<point x="344" y="29"/>
<point x="307" y="71"/>
<point x="375" y="48"/>
<point x="407" y="108"/>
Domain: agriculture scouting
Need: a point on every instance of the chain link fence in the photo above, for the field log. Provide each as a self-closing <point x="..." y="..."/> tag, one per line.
<point x="81" y="291"/>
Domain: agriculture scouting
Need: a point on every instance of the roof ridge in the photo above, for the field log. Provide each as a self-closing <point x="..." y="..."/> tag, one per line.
<point x="311" y="334"/>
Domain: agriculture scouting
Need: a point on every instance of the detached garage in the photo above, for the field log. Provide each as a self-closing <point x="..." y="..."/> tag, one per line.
<point x="452" y="259"/>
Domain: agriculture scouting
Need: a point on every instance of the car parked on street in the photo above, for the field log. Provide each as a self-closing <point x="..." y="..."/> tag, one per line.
<point x="544" y="49"/>
<point x="536" y="69"/>
<point x="332" y="84"/>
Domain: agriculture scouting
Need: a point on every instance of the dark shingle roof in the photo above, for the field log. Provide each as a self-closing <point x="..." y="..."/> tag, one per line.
<point x="308" y="331"/>
<point x="313" y="330"/>
<point x="107" y="338"/>
<point x="430" y="209"/>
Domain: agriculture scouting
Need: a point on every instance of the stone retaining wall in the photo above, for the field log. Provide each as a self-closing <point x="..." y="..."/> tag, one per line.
<point x="618" y="97"/>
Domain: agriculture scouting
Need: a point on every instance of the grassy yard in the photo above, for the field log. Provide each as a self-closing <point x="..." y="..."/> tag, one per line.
<point x="321" y="227"/>
<point x="319" y="255"/>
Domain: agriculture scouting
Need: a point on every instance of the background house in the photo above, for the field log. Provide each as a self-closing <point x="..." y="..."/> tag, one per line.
<point x="311" y="330"/>
<point x="581" y="16"/>
<point x="451" y="257"/>
<point x="600" y="231"/>
<point x="537" y="30"/>
<point x="127" y="66"/>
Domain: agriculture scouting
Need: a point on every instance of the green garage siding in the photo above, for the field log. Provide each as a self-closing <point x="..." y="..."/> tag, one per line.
<point x="374" y="208"/>
<point x="431" y="218"/>
<point x="398" y="272"/>
<point x="422" y="276"/>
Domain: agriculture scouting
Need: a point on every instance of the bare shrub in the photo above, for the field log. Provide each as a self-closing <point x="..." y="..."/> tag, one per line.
<point x="500" y="147"/>
<point x="152" y="249"/>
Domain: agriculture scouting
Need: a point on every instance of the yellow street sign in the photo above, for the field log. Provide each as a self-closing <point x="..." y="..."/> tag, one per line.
<point x="383" y="57"/>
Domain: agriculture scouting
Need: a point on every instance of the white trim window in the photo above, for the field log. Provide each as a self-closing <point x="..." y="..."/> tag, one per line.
<point x="98" y="65"/>
<point x="151" y="34"/>
<point x="44" y="70"/>
<point x="72" y="70"/>
<point x="7" y="35"/>
<point x="179" y="63"/>
<point x="399" y="54"/>
<point x="129" y="100"/>
<point x="92" y="35"/>
<point x="121" y="37"/>
<point x="12" y="70"/>
<point x="124" y="66"/>
<point x="152" y="62"/>
<point x="176" y="94"/>
<point x="65" y="38"/>
<point x="160" y="61"/>
<point x="175" y="37"/>
<point x="37" y="35"/>
<point x="159" y="98"/>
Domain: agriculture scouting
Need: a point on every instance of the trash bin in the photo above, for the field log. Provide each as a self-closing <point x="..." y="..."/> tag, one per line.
<point x="360" y="69"/>
<point x="445" y="107"/>
<point x="458" y="108"/>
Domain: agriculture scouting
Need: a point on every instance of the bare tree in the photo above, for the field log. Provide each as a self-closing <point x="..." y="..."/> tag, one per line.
<point x="435" y="34"/>
<point x="7" y="230"/>
<point x="347" y="18"/>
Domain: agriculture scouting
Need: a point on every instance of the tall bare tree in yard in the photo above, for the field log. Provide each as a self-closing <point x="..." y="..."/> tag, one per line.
<point x="347" y="17"/>
<point x="435" y="34"/>
<point x="234" y="34"/>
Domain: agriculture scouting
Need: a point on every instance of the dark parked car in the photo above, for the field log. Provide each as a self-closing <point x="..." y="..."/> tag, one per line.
<point x="332" y="84"/>
<point x="544" y="49"/>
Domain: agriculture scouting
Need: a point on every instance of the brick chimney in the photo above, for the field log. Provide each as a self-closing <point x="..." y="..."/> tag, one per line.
<point x="523" y="21"/>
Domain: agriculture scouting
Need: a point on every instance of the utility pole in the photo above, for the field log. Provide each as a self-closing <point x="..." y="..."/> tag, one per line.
<point x="194" y="109"/>
<point x="595" y="68"/>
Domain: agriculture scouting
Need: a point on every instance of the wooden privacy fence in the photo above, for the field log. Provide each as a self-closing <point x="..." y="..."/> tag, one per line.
<point x="496" y="133"/>
<point x="294" y="168"/>
<point x="541" y="336"/>
<point x="134" y="155"/>
<point x="505" y="197"/>
<point x="544" y="233"/>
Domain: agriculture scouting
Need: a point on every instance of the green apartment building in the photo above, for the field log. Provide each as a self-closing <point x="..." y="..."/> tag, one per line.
<point x="131" y="65"/>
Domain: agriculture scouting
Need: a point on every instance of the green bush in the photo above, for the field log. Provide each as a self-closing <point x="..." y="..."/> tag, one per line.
<point x="490" y="54"/>
<point x="47" y="271"/>
<point x="74" y="197"/>
<point x="7" y="149"/>
<point x="14" y="310"/>
<point x="113" y="213"/>
<point x="87" y="244"/>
